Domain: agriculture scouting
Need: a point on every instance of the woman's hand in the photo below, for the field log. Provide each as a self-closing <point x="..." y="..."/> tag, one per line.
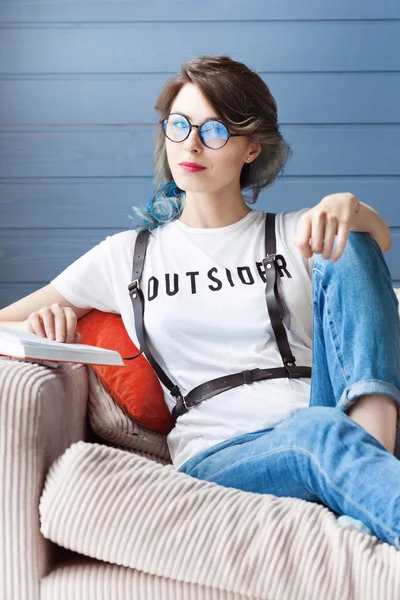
<point x="54" y="322"/>
<point x="336" y="215"/>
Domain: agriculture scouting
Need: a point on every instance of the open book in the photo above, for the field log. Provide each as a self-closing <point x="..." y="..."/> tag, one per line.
<point x="33" y="348"/>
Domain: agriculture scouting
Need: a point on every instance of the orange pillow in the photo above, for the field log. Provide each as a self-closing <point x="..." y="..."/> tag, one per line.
<point x="135" y="387"/>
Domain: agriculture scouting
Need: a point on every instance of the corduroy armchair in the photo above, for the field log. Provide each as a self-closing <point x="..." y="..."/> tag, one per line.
<point x="84" y="519"/>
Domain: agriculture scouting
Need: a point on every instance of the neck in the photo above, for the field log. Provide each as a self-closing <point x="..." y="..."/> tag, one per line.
<point x="208" y="211"/>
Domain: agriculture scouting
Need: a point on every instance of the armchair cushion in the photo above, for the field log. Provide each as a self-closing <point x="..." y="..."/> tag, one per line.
<point x="124" y="509"/>
<point x="134" y="388"/>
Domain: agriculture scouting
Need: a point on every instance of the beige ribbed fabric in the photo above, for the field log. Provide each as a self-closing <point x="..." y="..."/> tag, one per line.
<point x="89" y="579"/>
<point x="42" y="412"/>
<point x="122" y="508"/>
<point x="111" y="424"/>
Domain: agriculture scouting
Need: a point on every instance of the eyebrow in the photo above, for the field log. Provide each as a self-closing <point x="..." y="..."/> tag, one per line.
<point x="183" y="114"/>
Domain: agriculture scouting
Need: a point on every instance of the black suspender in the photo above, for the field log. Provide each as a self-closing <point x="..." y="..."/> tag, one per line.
<point x="278" y="312"/>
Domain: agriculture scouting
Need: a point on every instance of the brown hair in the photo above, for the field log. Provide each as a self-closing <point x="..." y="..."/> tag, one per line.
<point x="244" y="103"/>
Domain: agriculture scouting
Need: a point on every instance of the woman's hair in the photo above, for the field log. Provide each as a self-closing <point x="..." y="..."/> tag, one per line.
<point x="245" y="104"/>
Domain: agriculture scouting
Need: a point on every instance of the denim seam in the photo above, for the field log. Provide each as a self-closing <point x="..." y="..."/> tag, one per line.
<point x="316" y="268"/>
<point x="321" y="470"/>
<point x="330" y="329"/>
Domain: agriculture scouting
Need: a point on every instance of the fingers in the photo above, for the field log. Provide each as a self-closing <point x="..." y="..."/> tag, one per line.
<point x="55" y="322"/>
<point x="317" y="233"/>
<point x="303" y="235"/>
<point x="329" y="240"/>
<point x="65" y="332"/>
<point x="341" y="242"/>
<point x="35" y="324"/>
<point x="324" y="239"/>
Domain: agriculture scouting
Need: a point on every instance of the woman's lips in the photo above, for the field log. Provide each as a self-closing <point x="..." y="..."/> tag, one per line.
<point x="191" y="168"/>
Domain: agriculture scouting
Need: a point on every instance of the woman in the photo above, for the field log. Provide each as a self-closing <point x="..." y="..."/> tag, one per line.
<point x="206" y="316"/>
<point x="355" y="338"/>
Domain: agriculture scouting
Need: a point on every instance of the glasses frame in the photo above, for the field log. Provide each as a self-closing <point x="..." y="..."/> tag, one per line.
<point x="191" y="126"/>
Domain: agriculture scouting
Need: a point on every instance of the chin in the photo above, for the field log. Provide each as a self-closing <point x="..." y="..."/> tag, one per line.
<point x="187" y="187"/>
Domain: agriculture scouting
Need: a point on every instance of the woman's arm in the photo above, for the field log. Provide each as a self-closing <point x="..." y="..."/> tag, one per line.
<point x="367" y="219"/>
<point x="336" y="215"/>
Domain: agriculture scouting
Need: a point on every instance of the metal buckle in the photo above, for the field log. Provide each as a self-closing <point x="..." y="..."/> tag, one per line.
<point x="268" y="261"/>
<point x="134" y="285"/>
<point x="291" y="369"/>
<point x="175" y="392"/>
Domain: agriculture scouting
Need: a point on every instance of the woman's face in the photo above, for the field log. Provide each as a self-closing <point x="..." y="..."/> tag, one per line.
<point x="222" y="166"/>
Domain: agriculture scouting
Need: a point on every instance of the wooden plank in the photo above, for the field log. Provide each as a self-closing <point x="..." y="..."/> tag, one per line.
<point x="102" y="203"/>
<point x="11" y="292"/>
<point x="20" y="11"/>
<point x="126" y="151"/>
<point x="335" y="98"/>
<point x="161" y="47"/>
<point x="40" y="254"/>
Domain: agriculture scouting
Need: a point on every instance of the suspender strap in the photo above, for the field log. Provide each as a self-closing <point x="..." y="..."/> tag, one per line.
<point x="222" y="384"/>
<point x="137" y="299"/>
<point x="278" y="312"/>
<point x="276" y="305"/>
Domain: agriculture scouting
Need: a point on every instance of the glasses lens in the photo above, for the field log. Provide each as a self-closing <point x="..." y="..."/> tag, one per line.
<point x="214" y="134"/>
<point x="176" y="127"/>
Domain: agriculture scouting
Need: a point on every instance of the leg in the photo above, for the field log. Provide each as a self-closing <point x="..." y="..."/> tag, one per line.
<point x="356" y="335"/>
<point x="322" y="455"/>
<point x="319" y="455"/>
<point x="337" y="329"/>
<point x="377" y="414"/>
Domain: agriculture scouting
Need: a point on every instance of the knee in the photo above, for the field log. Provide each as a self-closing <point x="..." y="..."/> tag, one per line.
<point x="360" y="246"/>
<point x="318" y="417"/>
<point x="361" y="263"/>
<point x="313" y="427"/>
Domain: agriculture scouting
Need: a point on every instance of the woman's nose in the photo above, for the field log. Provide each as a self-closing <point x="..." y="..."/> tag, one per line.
<point x="193" y="139"/>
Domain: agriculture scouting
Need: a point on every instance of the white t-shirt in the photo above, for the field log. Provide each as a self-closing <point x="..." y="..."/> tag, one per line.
<point x="206" y="316"/>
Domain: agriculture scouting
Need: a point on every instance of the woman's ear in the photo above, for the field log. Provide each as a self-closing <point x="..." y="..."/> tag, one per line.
<point x="253" y="151"/>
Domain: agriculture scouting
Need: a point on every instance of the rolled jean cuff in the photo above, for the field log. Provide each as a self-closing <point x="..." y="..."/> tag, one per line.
<point x="369" y="386"/>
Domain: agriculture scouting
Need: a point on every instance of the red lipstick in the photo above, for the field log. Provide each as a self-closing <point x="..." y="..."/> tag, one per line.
<point x="191" y="167"/>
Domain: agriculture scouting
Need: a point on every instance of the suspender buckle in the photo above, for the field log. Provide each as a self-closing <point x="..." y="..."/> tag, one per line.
<point x="291" y="368"/>
<point x="269" y="261"/>
<point x="134" y="286"/>
<point x="247" y="376"/>
<point x="176" y="392"/>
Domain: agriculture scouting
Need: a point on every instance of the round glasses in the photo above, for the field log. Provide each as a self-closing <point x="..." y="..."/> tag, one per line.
<point x="212" y="133"/>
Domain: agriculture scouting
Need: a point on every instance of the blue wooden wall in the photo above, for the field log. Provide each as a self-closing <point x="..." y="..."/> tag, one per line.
<point x="78" y="82"/>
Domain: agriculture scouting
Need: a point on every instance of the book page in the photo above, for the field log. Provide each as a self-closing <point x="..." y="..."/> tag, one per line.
<point x="37" y="340"/>
<point x="20" y="344"/>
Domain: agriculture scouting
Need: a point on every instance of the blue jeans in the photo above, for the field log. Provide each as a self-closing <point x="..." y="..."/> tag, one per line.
<point x="319" y="453"/>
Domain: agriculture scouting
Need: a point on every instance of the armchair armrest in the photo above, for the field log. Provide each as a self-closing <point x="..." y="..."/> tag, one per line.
<point x="42" y="412"/>
<point x="121" y="508"/>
